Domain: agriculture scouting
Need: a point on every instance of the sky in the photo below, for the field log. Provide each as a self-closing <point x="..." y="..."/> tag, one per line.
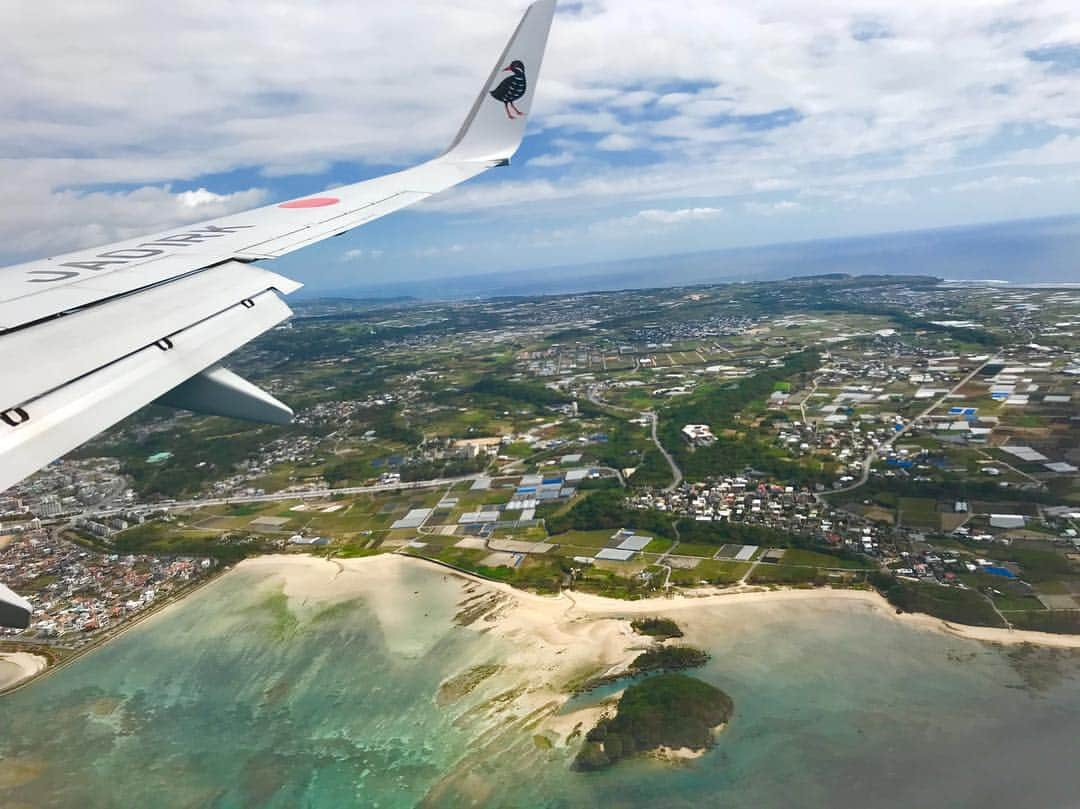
<point x="658" y="128"/>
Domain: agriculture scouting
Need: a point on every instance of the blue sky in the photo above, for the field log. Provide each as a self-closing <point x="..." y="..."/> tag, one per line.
<point x="659" y="127"/>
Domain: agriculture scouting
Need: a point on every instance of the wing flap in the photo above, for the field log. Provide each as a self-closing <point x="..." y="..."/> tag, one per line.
<point x="97" y="289"/>
<point x="92" y="338"/>
<point x="45" y="428"/>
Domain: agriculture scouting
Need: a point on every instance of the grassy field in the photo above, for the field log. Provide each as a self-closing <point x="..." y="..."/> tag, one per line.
<point x="1065" y="622"/>
<point x="720" y="573"/>
<point x="585" y="539"/>
<point x="782" y="574"/>
<point x="919" y="512"/>
<point x="797" y="556"/>
<point x="164" y="539"/>
<point x="949" y="603"/>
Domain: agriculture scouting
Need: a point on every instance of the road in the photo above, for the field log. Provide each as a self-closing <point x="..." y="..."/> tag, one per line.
<point x="676" y="473"/>
<point x="887" y="445"/>
<point x="311" y="495"/>
<point x="802" y="403"/>
<point x="662" y="561"/>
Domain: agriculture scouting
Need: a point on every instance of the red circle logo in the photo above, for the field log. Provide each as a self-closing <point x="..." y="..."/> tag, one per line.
<point x="312" y="202"/>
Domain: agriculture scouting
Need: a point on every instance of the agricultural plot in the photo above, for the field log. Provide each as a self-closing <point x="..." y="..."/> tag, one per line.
<point x="919" y="512"/>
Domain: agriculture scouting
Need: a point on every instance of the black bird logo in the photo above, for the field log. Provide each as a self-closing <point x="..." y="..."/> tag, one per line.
<point x="512" y="88"/>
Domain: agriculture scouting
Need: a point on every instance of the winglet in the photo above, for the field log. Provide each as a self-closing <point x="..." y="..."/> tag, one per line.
<point x="496" y="123"/>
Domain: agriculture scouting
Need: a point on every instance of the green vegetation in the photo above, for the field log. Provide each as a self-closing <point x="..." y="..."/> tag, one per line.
<point x="719" y="533"/>
<point x="625" y="448"/>
<point x="950" y="487"/>
<point x="161" y="539"/>
<point x="781" y="574"/>
<point x="527" y="392"/>
<point x="1036" y="566"/>
<point x="200" y="451"/>
<point x="541" y="575"/>
<point x="657" y="627"/>
<point x="1062" y="622"/>
<point x="719" y="406"/>
<point x="947" y="603"/>
<point x="607" y="509"/>
<point x="668" y="658"/>
<point x="352" y="551"/>
<point x="817" y="558"/>
<point x="713" y="572"/>
<point x="920" y="512"/>
<point x="971" y="336"/>
<point x="668" y="710"/>
<point x="612" y="584"/>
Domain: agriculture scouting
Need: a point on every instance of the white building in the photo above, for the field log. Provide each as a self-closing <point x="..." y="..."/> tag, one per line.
<point x="700" y="435"/>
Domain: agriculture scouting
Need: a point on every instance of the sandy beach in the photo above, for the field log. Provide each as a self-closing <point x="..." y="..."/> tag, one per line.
<point x="557" y="643"/>
<point x="569" y="619"/>
<point x="574" y="604"/>
<point x="16" y="667"/>
<point x="475" y="686"/>
<point x="586" y="635"/>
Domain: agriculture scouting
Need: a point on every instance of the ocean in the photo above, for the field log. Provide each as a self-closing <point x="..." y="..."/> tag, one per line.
<point x="243" y="696"/>
<point x="1018" y="252"/>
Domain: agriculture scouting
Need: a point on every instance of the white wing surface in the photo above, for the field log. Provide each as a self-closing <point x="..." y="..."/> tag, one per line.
<point x="89" y="337"/>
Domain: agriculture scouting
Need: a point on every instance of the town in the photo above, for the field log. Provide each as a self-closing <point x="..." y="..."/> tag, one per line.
<point x="923" y="441"/>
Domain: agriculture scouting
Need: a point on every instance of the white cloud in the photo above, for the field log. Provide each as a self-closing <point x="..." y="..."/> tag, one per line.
<point x="617" y="142"/>
<point x="552" y="160"/>
<point x="1062" y="150"/>
<point x="359" y="254"/>
<point x="771" y="208"/>
<point x="433" y="252"/>
<point x="651" y="222"/>
<point x="996" y="182"/>
<point x="679" y="216"/>
<point x="854" y="197"/>
<point x="865" y="94"/>
<point x="74" y="220"/>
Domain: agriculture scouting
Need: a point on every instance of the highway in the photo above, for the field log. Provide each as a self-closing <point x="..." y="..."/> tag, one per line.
<point x="314" y="494"/>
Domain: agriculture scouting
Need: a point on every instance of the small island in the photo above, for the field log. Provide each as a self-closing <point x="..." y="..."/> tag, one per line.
<point x="662" y="628"/>
<point x="668" y="658"/>
<point x="668" y="711"/>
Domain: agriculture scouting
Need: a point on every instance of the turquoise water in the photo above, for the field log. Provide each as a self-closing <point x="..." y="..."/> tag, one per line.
<point x="237" y="698"/>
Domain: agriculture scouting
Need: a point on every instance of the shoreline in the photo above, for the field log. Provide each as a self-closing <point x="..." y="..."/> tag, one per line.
<point x="105" y="637"/>
<point x="601" y="607"/>
<point x="17" y="668"/>
<point x="568" y="606"/>
<point x="558" y="642"/>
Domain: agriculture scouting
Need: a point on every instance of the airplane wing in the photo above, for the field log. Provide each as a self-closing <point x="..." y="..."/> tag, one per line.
<point x="89" y="337"/>
<point x="14" y="609"/>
